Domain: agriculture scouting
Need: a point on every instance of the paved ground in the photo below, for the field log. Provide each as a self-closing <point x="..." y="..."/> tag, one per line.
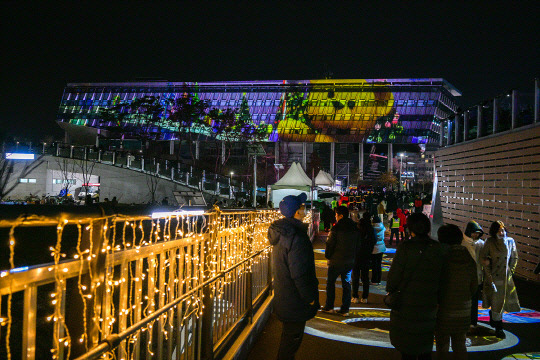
<point x="364" y="334"/>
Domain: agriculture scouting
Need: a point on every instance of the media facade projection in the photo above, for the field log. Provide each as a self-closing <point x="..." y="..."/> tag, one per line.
<point x="346" y="110"/>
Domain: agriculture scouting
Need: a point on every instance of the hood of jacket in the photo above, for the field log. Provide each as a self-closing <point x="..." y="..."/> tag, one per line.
<point x="399" y="212"/>
<point x="285" y="228"/>
<point x="473" y="226"/>
<point x="378" y="227"/>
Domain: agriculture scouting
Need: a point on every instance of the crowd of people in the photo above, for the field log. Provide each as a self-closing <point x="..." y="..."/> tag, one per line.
<point x="433" y="286"/>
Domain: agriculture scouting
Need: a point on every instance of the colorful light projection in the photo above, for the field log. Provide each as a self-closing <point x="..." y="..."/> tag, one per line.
<point x="330" y="110"/>
<point x="326" y="115"/>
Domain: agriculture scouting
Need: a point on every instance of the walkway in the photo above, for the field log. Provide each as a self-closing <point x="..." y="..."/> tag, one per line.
<point x="364" y="334"/>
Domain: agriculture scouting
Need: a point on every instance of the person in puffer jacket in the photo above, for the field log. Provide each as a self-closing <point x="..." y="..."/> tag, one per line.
<point x="378" y="251"/>
<point x="458" y="284"/>
<point x="296" y="293"/>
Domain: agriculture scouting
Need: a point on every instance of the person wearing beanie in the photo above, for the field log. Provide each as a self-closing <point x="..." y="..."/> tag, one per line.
<point x="499" y="257"/>
<point x="296" y="293"/>
<point x="473" y="243"/>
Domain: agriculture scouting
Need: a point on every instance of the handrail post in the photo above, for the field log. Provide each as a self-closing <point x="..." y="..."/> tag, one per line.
<point x="249" y="273"/>
<point x="207" y="333"/>
<point x="94" y="240"/>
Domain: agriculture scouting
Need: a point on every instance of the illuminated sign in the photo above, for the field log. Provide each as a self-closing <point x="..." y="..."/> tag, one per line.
<point x="19" y="156"/>
<point x="407" y="174"/>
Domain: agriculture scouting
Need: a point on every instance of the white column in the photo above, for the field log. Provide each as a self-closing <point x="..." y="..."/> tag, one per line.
<point x="332" y="158"/>
<point x="390" y="157"/>
<point x="171" y="147"/>
<point x="254" y="181"/>
<point x="197" y="149"/>
<point x="304" y="155"/>
<point x="222" y="152"/>
<point x="361" y="161"/>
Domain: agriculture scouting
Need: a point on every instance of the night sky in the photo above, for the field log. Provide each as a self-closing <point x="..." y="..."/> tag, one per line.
<point x="482" y="49"/>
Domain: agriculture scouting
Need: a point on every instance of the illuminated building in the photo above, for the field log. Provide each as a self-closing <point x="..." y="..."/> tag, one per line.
<point x="330" y="117"/>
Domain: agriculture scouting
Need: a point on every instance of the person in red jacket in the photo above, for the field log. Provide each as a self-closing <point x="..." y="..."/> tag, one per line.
<point x="402" y="215"/>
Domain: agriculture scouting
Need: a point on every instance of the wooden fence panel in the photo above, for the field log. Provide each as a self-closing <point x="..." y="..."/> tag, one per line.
<point x="496" y="178"/>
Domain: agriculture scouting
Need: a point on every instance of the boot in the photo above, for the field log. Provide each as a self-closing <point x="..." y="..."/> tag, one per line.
<point x="499" y="333"/>
<point x="491" y="322"/>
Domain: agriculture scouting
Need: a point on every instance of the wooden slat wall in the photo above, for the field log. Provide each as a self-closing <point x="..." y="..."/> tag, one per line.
<point x="496" y="178"/>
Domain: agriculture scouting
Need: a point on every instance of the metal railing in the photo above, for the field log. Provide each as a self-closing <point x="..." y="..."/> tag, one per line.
<point x="136" y="287"/>
<point x="173" y="170"/>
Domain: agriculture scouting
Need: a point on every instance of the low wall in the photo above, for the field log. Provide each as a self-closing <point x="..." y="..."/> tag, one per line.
<point x="496" y="178"/>
<point x="129" y="186"/>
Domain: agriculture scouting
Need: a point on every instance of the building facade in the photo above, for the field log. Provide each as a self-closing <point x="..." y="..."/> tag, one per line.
<point x="330" y="120"/>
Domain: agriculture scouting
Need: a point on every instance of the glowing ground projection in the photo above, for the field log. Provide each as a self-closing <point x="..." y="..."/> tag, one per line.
<point x="370" y="326"/>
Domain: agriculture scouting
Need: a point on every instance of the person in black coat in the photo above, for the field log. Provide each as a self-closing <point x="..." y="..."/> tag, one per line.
<point x="362" y="259"/>
<point x="415" y="272"/>
<point x="296" y="293"/>
<point x="458" y="284"/>
<point x="340" y="251"/>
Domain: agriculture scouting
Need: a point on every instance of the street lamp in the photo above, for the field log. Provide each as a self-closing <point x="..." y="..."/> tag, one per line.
<point x="231" y="192"/>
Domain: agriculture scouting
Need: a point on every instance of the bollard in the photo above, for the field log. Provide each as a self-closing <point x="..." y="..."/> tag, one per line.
<point x="99" y="155"/>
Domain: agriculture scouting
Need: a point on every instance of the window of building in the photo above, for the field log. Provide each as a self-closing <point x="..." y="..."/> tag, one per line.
<point x="27" y="180"/>
<point x="69" y="181"/>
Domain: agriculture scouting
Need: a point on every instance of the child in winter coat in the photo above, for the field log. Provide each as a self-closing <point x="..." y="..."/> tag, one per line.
<point x="378" y="251"/>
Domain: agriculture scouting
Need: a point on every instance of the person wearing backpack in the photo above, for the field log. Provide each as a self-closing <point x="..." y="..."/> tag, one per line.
<point x="362" y="259"/>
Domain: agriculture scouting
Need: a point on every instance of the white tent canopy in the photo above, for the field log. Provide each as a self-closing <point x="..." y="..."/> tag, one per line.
<point x="295" y="178"/>
<point x="294" y="182"/>
<point x="324" y="179"/>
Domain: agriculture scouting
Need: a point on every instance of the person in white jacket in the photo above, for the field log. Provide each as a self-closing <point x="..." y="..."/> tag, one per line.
<point x="473" y="243"/>
<point x="378" y="251"/>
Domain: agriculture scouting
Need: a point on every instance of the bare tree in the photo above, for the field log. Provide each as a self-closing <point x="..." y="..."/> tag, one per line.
<point x="67" y="173"/>
<point x="7" y="173"/>
<point x="86" y="168"/>
<point x="387" y="179"/>
<point x="152" y="182"/>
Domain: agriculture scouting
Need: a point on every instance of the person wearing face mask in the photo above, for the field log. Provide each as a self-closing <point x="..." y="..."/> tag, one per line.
<point x="473" y="243"/>
<point x="296" y="293"/>
<point x="499" y="258"/>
